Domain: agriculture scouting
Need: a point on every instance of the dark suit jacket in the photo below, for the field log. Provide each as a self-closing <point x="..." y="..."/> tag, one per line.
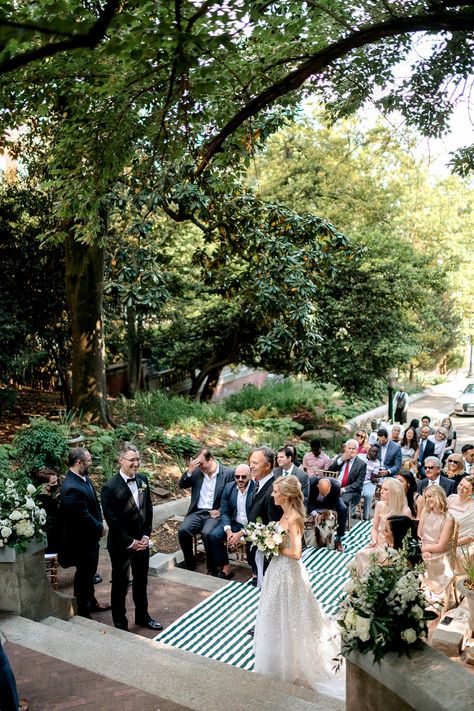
<point x="428" y="450"/>
<point x="81" y="519"/>
<point x="263" y="505"/>
<point x="194" y="482"/>
<point x="299" y="474"/>
<point x="356" y="474"/>
<point x="329" y="501"/>
<point x="229" y="502"/>
<point x="393" y="457"/>
<point x="449" y="485"/>
<point x="126" y="522"/>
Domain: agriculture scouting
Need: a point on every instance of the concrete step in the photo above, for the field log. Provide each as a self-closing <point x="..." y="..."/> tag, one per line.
<point x="188" y="679"/>
<point x="194" y="579"/>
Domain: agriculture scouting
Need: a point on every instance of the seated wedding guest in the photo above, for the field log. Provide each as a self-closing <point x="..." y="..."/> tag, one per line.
<point x="392" y="503"/>
<point x="413" y="498"/>
<point x="396" y="433"/>
<point x="454" y="467"/>
<point x="351" y="473"/>
<point x="467" y="452"/>
<point x="315" y="460"/>
<point x="461" y="508"/>
<point x="206" y="477"/>
<point x="324" y="495"/>
<point x="435" y="530"/>
<point x="409" y="444"/>
<point x="286" y="467"/>
<point x="390" y="454"/>
<point x="296" y="461"/>
<point x="235" y="505"/>
<point x="363" y="441"/>
<point x="451" y="437"/>
<point x="439" y="440"/>
<point x="370" y="481"/>
<point x="426" y="449"/>
<point x="48" y="499"/>
<point x="398" y="528"/>
<point x="434" y="476"/>
<point x="425" y="422"/>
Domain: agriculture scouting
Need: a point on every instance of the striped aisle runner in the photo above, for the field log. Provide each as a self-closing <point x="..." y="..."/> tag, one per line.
<point x="217" y="627"/>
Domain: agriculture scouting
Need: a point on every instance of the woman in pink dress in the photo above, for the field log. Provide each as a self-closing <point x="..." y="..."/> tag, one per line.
<point x="436" y="530"/>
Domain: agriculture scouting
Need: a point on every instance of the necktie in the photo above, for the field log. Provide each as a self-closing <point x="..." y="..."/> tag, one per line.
<point x="422" y="446"/>
<point x="345" y="476"/>
<point x="255" y="491"/>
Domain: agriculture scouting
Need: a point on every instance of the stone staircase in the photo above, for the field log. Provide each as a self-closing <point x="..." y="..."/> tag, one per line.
<point x="188" y="679"/>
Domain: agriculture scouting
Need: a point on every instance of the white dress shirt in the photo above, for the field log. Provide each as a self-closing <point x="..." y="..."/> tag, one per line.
<point x="133" y="486"/>
<point x="208" y="489"/>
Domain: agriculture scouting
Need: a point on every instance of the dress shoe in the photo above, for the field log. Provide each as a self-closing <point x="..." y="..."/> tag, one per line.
<point x="251" y="631"/>
<point x="253" y="582"/>
<point x="150" y="624"/>
<point x="100" y="608"/>
<point x="97" y="579"/>
<point x="121" y="626"/>
<point x="226" y="576"/>
<point x="338" y="546"/>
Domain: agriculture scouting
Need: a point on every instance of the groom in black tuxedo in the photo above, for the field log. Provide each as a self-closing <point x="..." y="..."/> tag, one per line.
<point x="82" y="528"/>
<point x="128" y="511"/>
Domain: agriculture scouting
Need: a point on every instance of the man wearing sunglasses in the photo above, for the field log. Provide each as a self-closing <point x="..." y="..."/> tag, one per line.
<point x="235" y="507"/>
<point x="434" y="476"/>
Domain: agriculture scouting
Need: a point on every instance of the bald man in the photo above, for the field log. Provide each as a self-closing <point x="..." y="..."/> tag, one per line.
<point x="325" y="495"/>
<point x="235" y="504"/>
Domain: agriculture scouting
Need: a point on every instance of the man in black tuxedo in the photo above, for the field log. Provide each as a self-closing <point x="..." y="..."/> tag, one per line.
<point x="127" y="507"/>
<point x="286" y="466"/>
<point x="426" y="449"/>
<point x="325" y="495"/>
<point x="235" y="507"/>
<point x="433" y="476"/>
<point x="350" y="473"/>
<point x="262" y="462"/>
<point x="206" y="477"/>
<point x="82" y="528"/>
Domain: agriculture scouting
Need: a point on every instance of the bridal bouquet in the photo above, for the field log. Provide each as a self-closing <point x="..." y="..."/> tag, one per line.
<point x="385" y="609"/>
<point x="21" y="520"/>
<point x="267" y="538"/>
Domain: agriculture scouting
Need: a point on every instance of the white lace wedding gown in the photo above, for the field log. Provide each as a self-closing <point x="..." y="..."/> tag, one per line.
<point x="293" y="640"/>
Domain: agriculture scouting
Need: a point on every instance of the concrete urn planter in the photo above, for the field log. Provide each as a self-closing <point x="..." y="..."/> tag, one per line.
<point x="9" y="555"/>
<point x="469" y="595"/>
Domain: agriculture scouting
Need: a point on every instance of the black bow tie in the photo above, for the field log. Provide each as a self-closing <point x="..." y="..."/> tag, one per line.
<point x="132" y="479"/>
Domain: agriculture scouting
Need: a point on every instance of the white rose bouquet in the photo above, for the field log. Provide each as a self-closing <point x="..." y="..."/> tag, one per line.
<point x="267" y="538"/>
<point x="385" y="609"/>
<point x="21" y="520"/>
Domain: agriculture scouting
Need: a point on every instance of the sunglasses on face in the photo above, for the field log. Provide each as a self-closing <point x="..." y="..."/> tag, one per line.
<point x="431" y="467"/>
<point x="238" y="476"/>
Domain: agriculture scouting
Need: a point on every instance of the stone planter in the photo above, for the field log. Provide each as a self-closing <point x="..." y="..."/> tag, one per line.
<point x="9" y="555"/>
<point x="469" y="595"/>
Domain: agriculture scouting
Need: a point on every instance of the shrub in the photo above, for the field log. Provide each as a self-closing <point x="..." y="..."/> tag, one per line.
<point x="41" y="444"/>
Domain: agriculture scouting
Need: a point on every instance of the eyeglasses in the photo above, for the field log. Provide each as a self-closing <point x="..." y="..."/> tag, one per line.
<point x="240" y="476"/>
<point x="428" y="467"/>
<point x="135" y="459"/>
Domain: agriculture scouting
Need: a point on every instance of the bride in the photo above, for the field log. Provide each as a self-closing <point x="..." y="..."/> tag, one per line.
<point x="293" y="640"/>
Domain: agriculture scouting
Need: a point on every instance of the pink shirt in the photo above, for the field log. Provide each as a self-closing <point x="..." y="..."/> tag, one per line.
<point x="311" y="463"/>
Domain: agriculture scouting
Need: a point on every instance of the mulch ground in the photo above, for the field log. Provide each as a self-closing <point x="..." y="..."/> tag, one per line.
<point x="28" y="403"/>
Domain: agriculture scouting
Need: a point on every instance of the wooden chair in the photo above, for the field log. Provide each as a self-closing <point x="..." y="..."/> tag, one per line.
<point x="240" y="551"/>
<point x="51" y="561"/>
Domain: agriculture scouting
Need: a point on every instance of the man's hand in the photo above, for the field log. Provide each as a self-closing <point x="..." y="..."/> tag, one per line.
<point x="234" y="538"/>
<point x="139" y="545"/>
<point x="214" y="513"/>
<point x="193" y="464"/>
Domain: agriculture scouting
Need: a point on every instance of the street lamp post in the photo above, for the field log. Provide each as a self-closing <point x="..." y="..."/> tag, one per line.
<point x="391" y="379"/>
<point x="471" y="344"/>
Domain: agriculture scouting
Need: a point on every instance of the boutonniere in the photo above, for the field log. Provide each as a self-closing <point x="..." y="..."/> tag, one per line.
<point x="142" y="488"/>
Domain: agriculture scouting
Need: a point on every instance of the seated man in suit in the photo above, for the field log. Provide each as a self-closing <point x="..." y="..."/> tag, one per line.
<point x="325" y="494"/>
<point x="206" y="478"/>
<point x="434" y="476"/>
<point x="467" y="452"/>
<point x="390" y="454"/>
<point x="286" y="466"/>
<point x="426" y="449"/>
<point x="235" y="507"/>
<point x="351" y="471"/>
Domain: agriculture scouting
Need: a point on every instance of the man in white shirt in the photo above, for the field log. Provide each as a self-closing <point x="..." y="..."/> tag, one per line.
<point x="206" y="477"/>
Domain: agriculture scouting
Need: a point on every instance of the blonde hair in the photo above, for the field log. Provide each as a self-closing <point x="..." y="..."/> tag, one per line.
<point x="459" y="461"/>
<point x="290" y="487"/>
<point x="396" y="495"/>
<point x="439" y="495"/>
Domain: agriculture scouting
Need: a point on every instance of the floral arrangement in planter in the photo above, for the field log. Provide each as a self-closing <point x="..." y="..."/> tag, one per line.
<point x="385" y="609"/>
<point x="21" y="519"/>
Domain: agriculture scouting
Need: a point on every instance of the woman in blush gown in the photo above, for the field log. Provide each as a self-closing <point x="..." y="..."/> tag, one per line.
<point x="436" y="532"/>
<point x="293" y="640"/>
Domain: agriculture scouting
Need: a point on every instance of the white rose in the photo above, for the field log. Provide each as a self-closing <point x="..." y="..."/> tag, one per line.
<point x="16" y="515"/>
<point x="6" y="532"/>
<point x="417" y="612"/>
<point x="363" y="628"/>
<point x="261" y="547"/>
<point x="278" y="538"/>
<point x="30" y="489"/>
<point x="25" y="528"/>
<point x="409" y="635"/>
<point x="29" y="503"/>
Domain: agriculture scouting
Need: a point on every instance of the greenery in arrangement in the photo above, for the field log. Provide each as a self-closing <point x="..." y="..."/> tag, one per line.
<point x="385" y="609"/>
<point x="21" y="520"/>
<point x="466" y="563"/>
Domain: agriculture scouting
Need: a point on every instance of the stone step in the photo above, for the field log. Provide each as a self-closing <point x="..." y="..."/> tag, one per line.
<point x="194" y="579"/>
<point x="191" y="680"/>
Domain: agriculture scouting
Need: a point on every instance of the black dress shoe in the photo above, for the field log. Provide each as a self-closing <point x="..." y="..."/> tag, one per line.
<point x="97" y="579"/>
<point x="121" y="626"/>
<point x="251" y="631"/>
<point x="100" y="608"/>
<point x="226" y="576"/>
<point x="150" y="624"/>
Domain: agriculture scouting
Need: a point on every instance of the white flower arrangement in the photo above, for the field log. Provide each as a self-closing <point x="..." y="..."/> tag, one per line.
<point x="267" y="538"/>
<point x="21" y="519"/>
<point x="385" y="609"/>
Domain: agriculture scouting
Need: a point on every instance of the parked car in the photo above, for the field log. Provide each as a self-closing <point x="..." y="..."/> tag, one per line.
<point x="464" y="404"/>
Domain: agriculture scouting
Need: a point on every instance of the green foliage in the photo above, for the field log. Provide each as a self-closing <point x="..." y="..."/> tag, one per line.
<point x="159" y="409"/>
<point x="41" y="444"/>
<point x="8" y="398"/>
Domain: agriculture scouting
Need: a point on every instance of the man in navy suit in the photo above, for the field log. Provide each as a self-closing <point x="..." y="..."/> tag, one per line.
<point x="286" y="466"/>
<point x="426" y="449"/>
<point x="82" y="529"/>
<point x="206" y="477"/>
<point x="433" y="476"/>
<point x="235" y="507"/>
<point x="390" y="454"/>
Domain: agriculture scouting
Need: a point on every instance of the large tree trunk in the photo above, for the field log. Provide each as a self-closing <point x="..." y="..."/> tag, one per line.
<point x="84" y="292"/>
<point x="210" y="385"/>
